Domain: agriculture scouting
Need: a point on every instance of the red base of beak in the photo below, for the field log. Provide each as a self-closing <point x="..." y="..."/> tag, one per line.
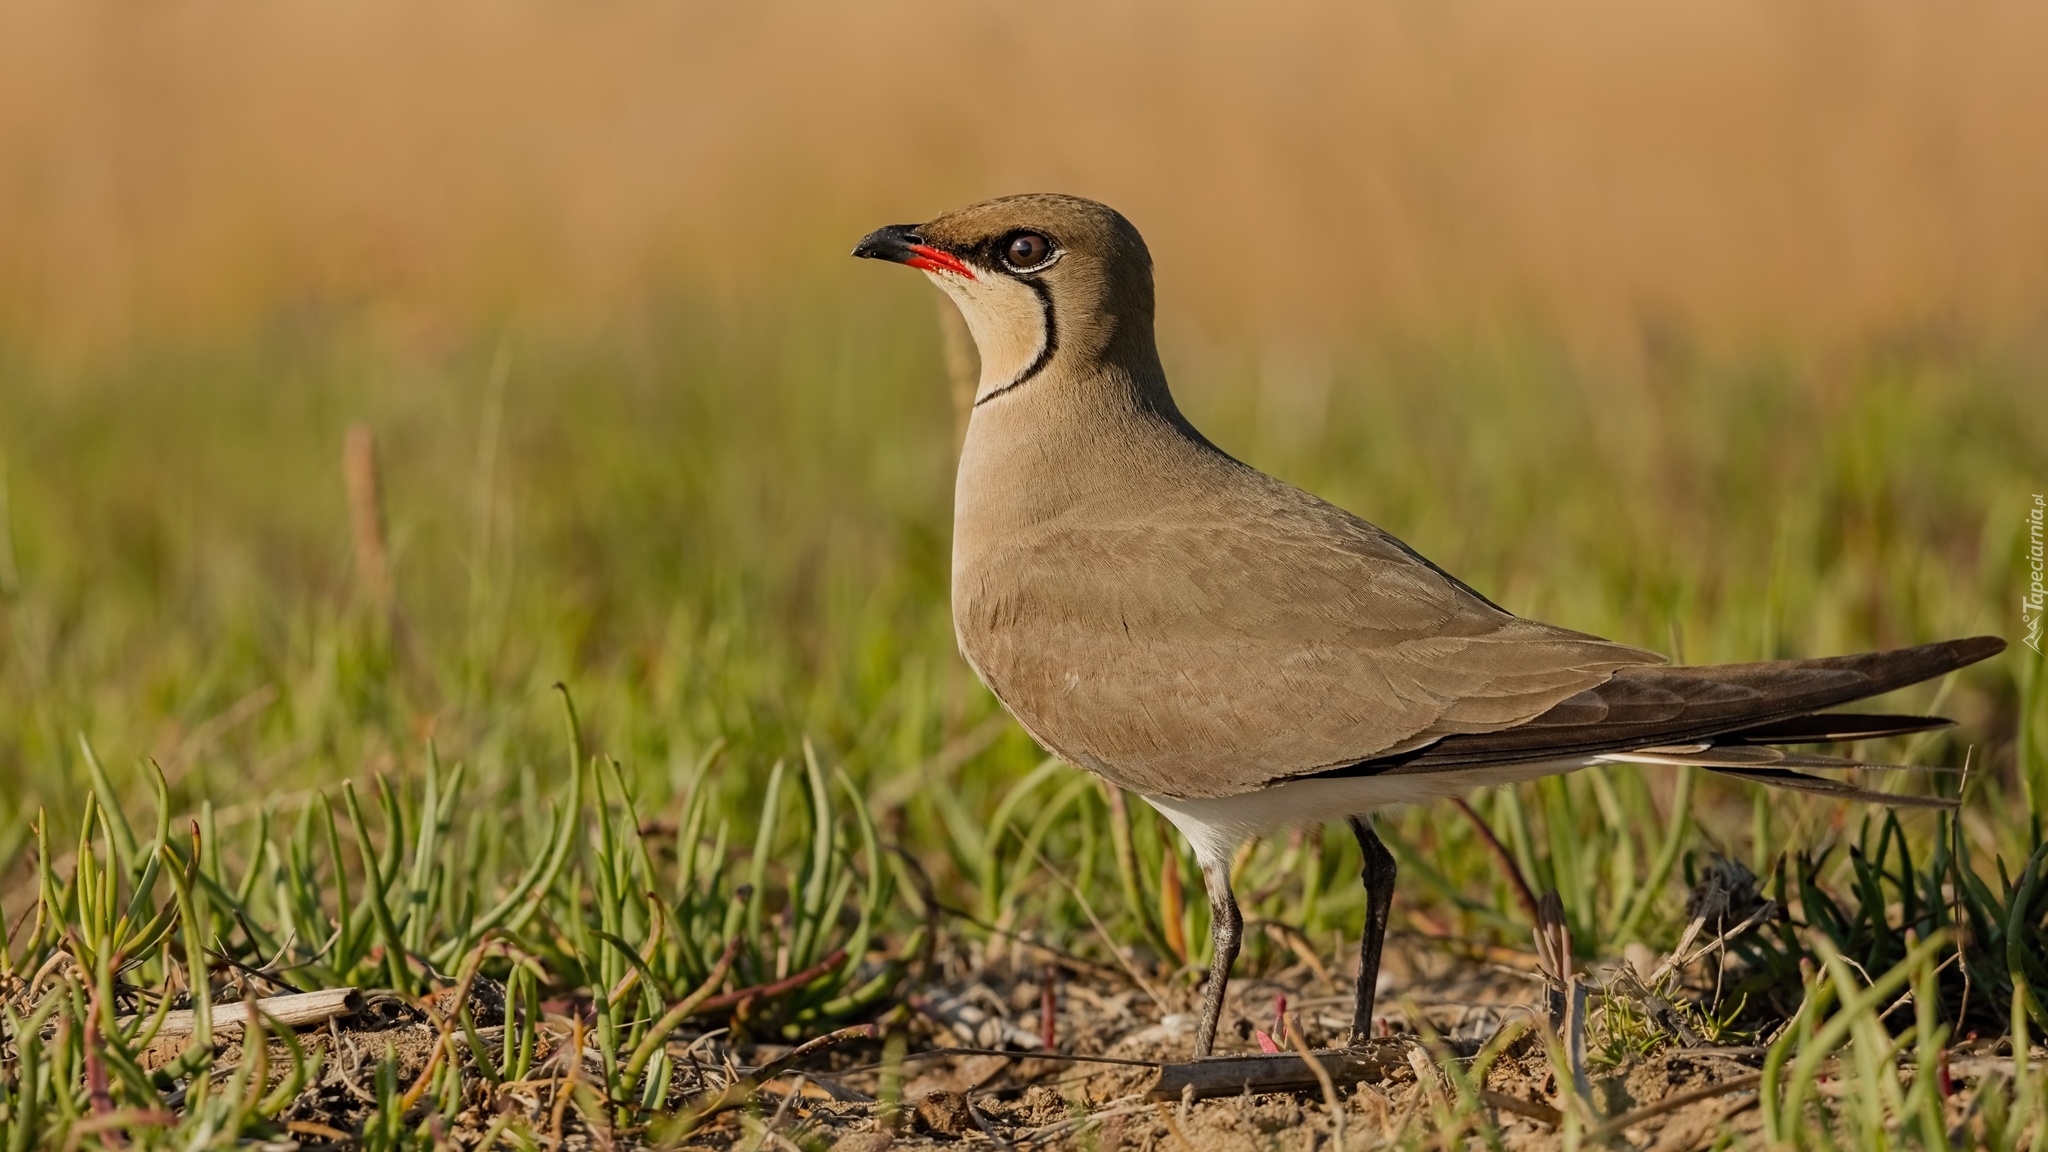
<point x="932" y="259"/>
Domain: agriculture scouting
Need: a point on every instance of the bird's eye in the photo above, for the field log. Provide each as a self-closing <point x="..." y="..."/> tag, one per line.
<point x="1026" y="250"/>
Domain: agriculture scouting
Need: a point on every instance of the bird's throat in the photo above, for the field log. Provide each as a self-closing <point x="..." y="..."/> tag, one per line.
<point x="1013" y="325"/>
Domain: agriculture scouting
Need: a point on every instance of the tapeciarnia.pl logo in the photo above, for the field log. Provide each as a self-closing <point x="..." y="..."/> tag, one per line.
<point x="2033" y="604"/>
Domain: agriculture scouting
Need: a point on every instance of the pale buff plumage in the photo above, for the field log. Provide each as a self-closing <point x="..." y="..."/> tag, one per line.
<point x="1157" y="612"/>
<point x="1242" y="653"/>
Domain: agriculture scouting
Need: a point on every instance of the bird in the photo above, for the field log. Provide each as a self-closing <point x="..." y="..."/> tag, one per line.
<point x="1246" y="656"/>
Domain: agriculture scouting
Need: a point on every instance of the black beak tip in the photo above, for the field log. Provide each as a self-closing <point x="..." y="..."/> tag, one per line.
<point x="890" y="243"/>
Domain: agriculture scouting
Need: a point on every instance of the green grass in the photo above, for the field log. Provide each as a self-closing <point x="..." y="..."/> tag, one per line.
<point x="724" y="530"/>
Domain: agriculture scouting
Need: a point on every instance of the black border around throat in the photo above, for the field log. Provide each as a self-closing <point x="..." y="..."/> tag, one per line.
<point x="1045" y="350"/>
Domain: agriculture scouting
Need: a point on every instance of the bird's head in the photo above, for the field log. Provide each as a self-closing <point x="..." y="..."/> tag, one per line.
<point x="1047" y="283"/>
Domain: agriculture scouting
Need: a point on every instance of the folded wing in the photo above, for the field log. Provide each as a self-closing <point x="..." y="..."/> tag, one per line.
<point x="1721" y="717"/>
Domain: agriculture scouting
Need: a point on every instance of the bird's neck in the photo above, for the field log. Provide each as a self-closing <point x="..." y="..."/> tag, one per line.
<point x="1068" y="441"/>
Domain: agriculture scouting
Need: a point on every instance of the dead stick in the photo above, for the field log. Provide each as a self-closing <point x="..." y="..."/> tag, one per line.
<point x="294" y="1011"/>
<point x="1535" y="1110"/>
<point x="786" y="984"/>
<point x="1523" y="895"/>
<point x="1061" y="1057"/>
<point x="366" y="514"/>
<point x="1279" y="1072"/>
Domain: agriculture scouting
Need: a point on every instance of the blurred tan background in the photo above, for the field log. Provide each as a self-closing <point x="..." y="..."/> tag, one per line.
<point x="1795" y="172"/>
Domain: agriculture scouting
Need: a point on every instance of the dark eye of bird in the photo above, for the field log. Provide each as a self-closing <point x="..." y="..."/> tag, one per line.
<point x="1027" y="250"/>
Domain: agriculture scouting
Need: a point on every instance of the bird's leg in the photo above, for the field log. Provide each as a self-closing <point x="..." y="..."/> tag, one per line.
<point x="1226" y="932"/>
<point x="1379" y="897"/>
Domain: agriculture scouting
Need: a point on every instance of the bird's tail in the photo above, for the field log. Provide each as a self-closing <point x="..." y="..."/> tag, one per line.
<point x="1747" y="754"/>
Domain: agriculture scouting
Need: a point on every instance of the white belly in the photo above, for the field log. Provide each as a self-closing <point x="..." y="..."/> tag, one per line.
<point x="1216" y="826"/>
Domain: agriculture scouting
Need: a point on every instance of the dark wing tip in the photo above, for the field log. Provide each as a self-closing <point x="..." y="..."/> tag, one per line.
<point x="1898" y="667"/>
<point x="1974" y="648"/>
<point x="1834" y="789"/>
<point x="1833" y="728"/>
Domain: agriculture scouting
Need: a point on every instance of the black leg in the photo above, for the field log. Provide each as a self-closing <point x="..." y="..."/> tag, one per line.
<point x="1379" y="897"/>
<point x="1226" y="932"/>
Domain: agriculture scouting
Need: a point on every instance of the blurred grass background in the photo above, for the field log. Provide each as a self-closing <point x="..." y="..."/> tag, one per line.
<point x="1718" y="330"/>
